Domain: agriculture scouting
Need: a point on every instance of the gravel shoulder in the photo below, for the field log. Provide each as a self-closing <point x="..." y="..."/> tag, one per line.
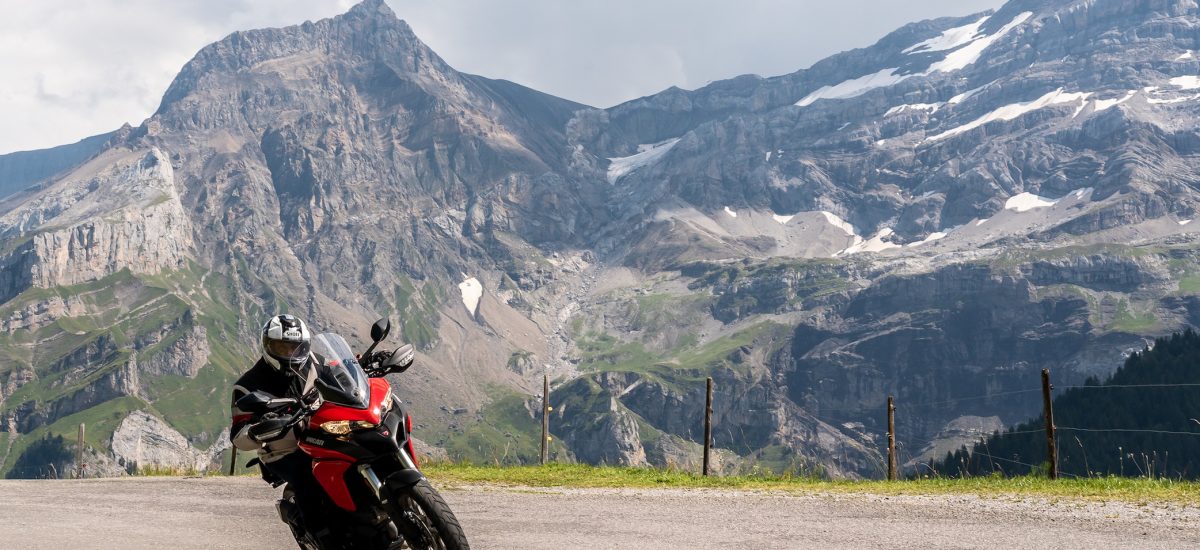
<point x="218" y="513"/>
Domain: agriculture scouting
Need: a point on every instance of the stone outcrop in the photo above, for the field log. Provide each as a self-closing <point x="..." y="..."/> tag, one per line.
<point x="143" y="440"/>
<point x="126" y="216"/>
<point x="596" y="426"/>
<point x="184" y="356"/>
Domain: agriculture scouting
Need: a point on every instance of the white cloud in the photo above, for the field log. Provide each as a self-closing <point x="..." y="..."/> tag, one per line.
<point x="70" y="69"/>
<point x="74" y="69"/>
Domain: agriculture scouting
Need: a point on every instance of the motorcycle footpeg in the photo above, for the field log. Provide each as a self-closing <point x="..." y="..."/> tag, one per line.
<point x="288" y="512"/>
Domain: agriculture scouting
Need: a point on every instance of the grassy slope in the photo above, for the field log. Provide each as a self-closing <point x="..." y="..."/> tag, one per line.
<point x="123" y="307"/>
<point x="505" y="434"/>
<point x="579" y="476"/>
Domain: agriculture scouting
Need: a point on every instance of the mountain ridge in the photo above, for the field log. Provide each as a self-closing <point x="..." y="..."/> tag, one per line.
<point x="939" y="214"/>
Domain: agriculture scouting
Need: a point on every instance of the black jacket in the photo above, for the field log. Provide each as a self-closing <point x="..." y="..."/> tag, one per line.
<point x="265" y="378"/>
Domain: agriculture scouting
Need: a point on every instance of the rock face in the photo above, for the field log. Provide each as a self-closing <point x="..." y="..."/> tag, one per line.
<point x="143" y="440"/>
<point x="938" y="217"/>
<point x="91" y="225"/>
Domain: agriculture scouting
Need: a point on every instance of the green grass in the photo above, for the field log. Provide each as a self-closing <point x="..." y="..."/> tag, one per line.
<point x="714" y="354"/>
<point x="417" y="311"/>
<point x="505" y="434"/>
<point x="100" y="421"/>
<point x="1190" y="285"/>
<point x="581" y="476"/>
<point x="1133" y="322"/>
<point x="194" y="406"/>
<point x="604" y="352"/>
<point x="1018" y="256"/>
<point x="124" y="309"/>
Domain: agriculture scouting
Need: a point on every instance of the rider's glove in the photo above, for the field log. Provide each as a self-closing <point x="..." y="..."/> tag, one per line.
<point x="269" y="429"/>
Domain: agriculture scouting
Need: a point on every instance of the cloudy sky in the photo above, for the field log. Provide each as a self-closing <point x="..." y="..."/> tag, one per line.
<point x="74" y="68"/>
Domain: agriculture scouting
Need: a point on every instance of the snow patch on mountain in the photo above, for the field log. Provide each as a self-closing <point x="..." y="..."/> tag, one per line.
<point x="839" y="223"/>
<point x="973" y="51"/>
<point x="731" y="213"/>
<point x="1189" y="82"/>
<point x="949" y="39"/>
<point x="1188" y="55"/>
<point x="875" y="244"/>
<point x="929" y="107"/>
<point x="471" y="291"/>
<point x="1164" y="101"/>
<point x="647" y="154"/>
<point x="1010" y="112"/>
<point x="932" y="237"/>
<point x="1027" y="201"/>
<point x="782" y="219"/>
<point x="965" y="96"/>
<point x="856" y="87"/>
<point x="1102" y="104"/>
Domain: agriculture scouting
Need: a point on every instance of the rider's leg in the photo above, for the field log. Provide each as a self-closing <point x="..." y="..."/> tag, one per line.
<point x="296" y="469"/>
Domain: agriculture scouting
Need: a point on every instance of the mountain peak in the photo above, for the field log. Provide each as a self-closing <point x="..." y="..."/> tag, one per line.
<point x="371" y="8"/>
<point x="369" y="30"/>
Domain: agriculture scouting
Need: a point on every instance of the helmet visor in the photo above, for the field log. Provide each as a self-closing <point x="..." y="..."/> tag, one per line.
<point x="284" y="350"/>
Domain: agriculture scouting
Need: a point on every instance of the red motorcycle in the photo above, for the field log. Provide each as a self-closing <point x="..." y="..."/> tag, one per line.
<point x="359" y="438"/>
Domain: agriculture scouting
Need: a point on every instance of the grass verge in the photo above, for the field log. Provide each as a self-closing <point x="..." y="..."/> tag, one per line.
<point x="1131" y="490"/>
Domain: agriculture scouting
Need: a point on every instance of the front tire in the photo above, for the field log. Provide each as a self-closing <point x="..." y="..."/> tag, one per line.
<point x="426" y="521"/>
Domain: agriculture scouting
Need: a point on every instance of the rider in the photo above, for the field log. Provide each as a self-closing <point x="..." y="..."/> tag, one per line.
<point x="287" y="368"/>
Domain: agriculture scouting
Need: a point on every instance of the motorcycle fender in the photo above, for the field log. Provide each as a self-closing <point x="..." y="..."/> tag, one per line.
<point x="404" y="479"/>
<point x="331" y="474"/>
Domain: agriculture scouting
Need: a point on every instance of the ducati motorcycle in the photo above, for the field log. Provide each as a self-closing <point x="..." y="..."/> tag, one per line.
<point x="360" y="441"/>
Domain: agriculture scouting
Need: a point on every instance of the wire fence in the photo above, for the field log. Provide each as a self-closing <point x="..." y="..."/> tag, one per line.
<point x="1153" y="461"/>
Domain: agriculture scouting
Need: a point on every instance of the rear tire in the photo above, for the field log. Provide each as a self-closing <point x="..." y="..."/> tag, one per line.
<point x="421" y="514"/>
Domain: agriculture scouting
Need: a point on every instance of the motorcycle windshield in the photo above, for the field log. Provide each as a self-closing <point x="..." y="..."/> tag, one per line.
<point x="340" y="378"/>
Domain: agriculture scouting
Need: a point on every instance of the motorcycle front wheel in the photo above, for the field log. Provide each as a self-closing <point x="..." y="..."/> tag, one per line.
<point x="426" y="521"/>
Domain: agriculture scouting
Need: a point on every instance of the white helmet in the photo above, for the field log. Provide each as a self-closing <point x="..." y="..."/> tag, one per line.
<point x="285" y="342"/>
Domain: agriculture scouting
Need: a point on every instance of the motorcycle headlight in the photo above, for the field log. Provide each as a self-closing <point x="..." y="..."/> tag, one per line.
<point x="343" y="427"/>
<point x="337" y="427"/>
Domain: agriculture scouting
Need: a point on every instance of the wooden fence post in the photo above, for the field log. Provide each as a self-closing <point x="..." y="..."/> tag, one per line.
<point x="79" y="465"/>
<point x="708" y="424"/>
<point x="891" y="423"/>
<point x="232" y="459"/>
<point x="1051" y="448"/>
<point x="545" y="417"/>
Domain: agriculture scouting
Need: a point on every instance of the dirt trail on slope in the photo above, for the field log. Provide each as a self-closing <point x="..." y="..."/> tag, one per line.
<point x="218" y="513"/>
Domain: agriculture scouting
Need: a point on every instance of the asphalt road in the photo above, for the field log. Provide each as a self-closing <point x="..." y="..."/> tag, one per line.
<point x="219" y="513"/>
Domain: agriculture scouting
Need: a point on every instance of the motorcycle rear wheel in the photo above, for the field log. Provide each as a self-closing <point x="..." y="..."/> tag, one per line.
<point x="426" y="521"/>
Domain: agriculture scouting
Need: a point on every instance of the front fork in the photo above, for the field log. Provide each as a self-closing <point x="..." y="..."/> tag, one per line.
<point x="385" y="491"/>
<point x="405" y="478"/>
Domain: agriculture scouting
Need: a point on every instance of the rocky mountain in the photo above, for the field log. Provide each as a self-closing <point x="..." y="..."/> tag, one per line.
<point x="938" y="216"/>
<point x="25" y="168"/>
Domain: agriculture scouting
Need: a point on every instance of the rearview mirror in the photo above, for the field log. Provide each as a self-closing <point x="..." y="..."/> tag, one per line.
<point x="401" y="359"/>
<point x="380" y="329"/>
